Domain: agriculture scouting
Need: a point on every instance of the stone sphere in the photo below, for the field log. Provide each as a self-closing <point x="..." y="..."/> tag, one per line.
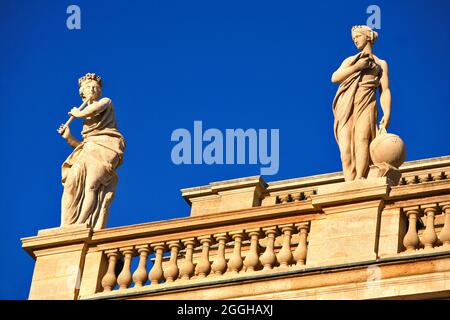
<point x="389" y="148"/>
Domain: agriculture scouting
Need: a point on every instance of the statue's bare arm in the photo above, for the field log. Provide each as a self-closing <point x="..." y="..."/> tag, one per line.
<point x="94" y="108"/>
<point x="72" y="141"/>
<point x="385" y="94"/>
<point x="65" y="133"/>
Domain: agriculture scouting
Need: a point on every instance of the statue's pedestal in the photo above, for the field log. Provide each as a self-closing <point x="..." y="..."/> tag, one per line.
<point x="63" y="230"/>
<point x="385" y="170"/>
<point x="59" y="255"/>
<point x="349" y="229"/>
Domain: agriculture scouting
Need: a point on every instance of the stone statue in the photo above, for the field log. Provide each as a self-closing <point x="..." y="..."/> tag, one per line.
<point x="355" y="105"/>
<point x="88" y="174"/>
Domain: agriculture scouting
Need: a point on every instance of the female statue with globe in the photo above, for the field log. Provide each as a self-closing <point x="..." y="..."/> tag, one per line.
<point x="355" y="105"/>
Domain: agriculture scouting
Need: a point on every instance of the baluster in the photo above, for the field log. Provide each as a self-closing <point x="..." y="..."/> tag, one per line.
<point x="411" y="239"/>
<point x="219" y="265"/>
<point x="172" y="271"/>
<point x="252" y="259"/>
<point x="156" y="273"/>
<point x="429" y="236"/>
<point x="285" y="255"/>
<point x="124" y="279"/>
<point x="187" y="267"/>
<point x="235" y="262"/>
<point x="140" y="275"/>
<point x="444" y="235"/>
<point x="297" y="197"/>
<point x="204" y="265"/>
<point x="301" y="250"/>
<point x="268" y="259"/>
<point x="109" y="279"/>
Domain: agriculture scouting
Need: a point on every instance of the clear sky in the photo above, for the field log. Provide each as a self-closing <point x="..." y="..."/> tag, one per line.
<point x="231" y="64"/>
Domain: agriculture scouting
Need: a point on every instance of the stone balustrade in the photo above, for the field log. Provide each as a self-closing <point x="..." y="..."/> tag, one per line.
<point x="428" y="226"/>
<point x="234" y="253"/>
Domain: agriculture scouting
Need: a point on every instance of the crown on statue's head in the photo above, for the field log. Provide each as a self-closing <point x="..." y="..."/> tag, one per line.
<point x="90" y="76"/>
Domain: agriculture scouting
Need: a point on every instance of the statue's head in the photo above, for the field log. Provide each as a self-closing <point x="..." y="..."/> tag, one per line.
<point x="362" y="35"/>
<point x="90" y="86"/>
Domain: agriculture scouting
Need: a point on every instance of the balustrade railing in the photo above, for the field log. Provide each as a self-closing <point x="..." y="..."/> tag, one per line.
<point x="233" y="253"/>
<point x="428" y="226"/>
<point x="273" y="248"/>
<point x="274" y="236"/>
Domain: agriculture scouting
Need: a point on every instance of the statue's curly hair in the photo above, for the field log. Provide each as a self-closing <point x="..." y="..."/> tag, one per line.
<point x="373" y="35"/>
<point x="90" y="76"/>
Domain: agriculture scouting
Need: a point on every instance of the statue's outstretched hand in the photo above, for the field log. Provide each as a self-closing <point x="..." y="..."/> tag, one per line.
<point x="64" y="131"/>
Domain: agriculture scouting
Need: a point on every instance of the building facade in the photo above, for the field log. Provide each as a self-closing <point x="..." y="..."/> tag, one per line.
<point x="305" y="238"/>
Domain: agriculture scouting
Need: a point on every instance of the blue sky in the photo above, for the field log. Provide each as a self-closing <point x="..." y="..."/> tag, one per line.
<point x="231" y="64"/>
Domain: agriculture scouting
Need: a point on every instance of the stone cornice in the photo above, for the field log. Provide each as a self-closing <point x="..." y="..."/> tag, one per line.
<point x="56" y="238"/>
<point x="351" y="192"/>
<point x="214" y="187"/>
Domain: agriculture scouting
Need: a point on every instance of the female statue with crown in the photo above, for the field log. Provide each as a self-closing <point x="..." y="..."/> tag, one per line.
<point x="355" y="105"/>
<point x="88" y="174"/>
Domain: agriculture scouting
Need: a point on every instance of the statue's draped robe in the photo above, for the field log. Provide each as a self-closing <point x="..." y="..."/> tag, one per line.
<point x="98" y="155"/>
<point x="355" y="104"/>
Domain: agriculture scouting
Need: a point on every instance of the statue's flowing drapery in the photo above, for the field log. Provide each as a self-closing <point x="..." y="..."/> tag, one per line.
<point x="355" y="104"/>
<point x="96" y="157"/>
